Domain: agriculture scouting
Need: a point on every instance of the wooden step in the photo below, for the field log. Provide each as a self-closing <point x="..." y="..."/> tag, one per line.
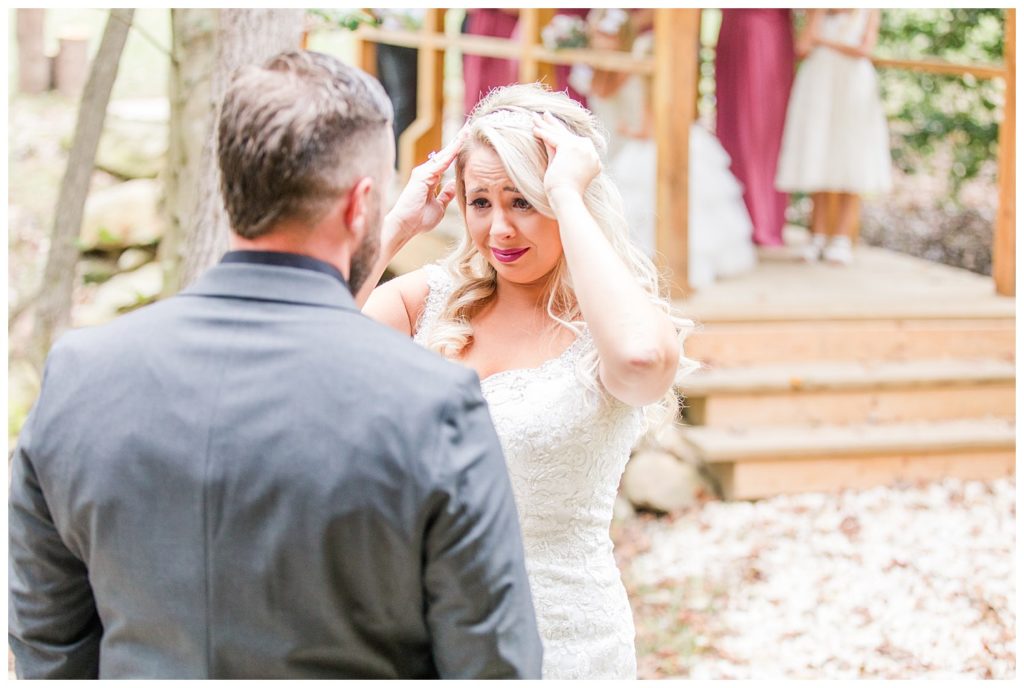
<point x="736" y="344"/>
<point x="843" y="393"/>
<point x="768" y="461"/>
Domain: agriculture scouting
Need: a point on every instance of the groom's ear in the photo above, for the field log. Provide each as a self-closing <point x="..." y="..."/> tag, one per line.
<point x="358" y="208"/>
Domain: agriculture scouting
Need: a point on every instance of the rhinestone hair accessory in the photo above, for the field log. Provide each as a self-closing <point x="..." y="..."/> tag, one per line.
<point x="509" y="116"/>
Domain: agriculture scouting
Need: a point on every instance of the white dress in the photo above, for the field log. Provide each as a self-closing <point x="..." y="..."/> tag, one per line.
<point x="836" y="137"/>
<point x="720" y="231"/>
<point x="565" y="450"/>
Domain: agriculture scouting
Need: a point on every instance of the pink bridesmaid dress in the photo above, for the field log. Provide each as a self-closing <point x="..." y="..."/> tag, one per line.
<point x="754" y="67"/>
<point x="481" y="74"/>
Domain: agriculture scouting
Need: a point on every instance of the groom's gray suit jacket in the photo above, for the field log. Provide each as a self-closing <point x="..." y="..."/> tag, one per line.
<point x="252" y="479"/>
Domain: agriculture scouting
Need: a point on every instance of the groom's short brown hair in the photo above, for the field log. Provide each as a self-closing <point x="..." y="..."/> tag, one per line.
<point x="294" y="134"/>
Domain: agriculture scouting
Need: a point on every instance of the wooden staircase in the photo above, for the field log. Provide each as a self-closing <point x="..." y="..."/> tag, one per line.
<point x="851" y="394"/>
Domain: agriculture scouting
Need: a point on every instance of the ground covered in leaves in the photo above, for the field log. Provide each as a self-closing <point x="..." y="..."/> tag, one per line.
<point x="911" y="581"/>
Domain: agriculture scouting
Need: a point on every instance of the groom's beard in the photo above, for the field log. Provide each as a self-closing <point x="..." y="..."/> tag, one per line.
<point x="369" y="249"/>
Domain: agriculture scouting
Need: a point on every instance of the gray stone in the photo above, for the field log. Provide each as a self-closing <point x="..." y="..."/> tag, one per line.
<point x="123" y="215"/>
<point x="657" y="480"/>
<point x="133" y="258"/>
<point x="134" y="141"/>
<point x="96" y="269"/>
<point x="120" y="293"/>
<point x="623" y="510"/>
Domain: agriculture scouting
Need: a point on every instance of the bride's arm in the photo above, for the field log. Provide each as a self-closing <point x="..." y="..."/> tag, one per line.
<point x="636" y="342"/>
<point x="399" y="303"/>
<point x="418" y="210"/>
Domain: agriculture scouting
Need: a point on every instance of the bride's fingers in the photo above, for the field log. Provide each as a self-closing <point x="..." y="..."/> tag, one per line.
<point x="545" y="134"/>
<point x="440" y="161"/>
<point x="447" y="194"/>
<point x="556" y="124"/>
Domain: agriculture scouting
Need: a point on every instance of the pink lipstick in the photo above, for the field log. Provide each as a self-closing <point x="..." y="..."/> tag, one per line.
<point x="508" y="255"/>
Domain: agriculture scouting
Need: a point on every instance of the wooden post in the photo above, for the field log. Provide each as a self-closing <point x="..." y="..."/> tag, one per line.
<point x="1004" y="246"/>
<point x="365" y="54"/>
<point x="531" y="21"/>
<point x="424" y="134"/>
<point x="70" y="67"/>
<point x="676" y="42"/>
<point x="33" y="65"/>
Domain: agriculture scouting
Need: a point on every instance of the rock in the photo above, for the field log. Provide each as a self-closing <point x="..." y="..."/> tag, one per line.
<point x="97" y="269"/>
<point x="623" y="510"/>
<point x="657" y="480"/>
<point x="145" y="110"/>
<point x="120" y="293"/>
<point x="123" y="215"/>
<point x="133" y="258"/>
<point x="132" y="152"/>
<point x="134" y="141"/>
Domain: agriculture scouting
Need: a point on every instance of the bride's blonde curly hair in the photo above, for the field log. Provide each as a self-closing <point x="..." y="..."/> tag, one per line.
<point x="503" y="122"/>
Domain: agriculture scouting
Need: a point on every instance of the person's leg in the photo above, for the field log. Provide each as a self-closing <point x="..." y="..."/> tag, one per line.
<point x="840" y="248"/>
<point x="819" y="227"/>
<point x="819" y="213"/>
<point x="847" y="215"/>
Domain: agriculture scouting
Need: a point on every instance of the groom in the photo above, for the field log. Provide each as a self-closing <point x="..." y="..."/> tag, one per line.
<point x="252" y="479"/>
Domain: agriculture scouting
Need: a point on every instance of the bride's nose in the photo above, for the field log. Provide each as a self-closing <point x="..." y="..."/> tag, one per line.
<point x="500" y="225"/>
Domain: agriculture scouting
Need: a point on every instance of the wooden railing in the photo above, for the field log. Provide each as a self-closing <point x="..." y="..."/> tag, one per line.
<point x="674" y="69"/>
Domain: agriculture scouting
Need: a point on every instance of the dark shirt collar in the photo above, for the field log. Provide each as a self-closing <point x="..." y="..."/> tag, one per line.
<point x="288" y="260"/>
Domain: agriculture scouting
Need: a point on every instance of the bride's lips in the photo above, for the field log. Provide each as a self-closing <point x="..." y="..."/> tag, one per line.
<point x="508" y="255"/>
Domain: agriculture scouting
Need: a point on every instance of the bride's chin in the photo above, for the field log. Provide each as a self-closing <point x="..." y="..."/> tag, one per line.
<point x="506" y="274"/>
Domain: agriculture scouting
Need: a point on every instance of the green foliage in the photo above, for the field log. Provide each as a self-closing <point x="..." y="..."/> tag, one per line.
<point x="347" y="19"/>
<point x="932" y="112"/>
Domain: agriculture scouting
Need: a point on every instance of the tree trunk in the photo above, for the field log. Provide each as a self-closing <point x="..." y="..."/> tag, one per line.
<point x="33" y="65"/>
<point x="194" y="55"/>
<point x="54" y="308"/>
<point x="243" y="37"/>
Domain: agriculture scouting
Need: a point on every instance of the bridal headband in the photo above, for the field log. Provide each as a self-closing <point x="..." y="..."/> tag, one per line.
<point x="509" y="116"/>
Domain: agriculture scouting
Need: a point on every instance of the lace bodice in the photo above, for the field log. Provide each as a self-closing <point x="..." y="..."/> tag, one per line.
<point x="566" y="447"/>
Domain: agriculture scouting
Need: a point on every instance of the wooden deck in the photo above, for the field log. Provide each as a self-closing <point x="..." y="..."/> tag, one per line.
<point x="880" y="284"/>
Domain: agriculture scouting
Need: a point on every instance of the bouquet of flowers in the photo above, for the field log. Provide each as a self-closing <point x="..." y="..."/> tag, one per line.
<point x="564" y="31"/>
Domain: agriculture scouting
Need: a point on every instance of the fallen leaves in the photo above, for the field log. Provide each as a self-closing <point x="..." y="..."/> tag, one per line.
<point x="910" y="581"/>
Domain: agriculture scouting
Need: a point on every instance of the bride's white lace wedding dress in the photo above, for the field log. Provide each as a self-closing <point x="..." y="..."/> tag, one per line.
<point x="566" y="449"/>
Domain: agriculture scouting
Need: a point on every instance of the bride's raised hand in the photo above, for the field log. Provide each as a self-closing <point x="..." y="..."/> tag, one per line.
<point x="420" y="207"/>
<point x="573" y="161"/>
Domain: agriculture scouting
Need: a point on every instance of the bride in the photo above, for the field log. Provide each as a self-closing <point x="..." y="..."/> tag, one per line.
<point x="561" y="316"/>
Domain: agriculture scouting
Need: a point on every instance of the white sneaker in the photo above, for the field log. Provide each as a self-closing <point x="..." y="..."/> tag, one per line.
<point x="839" y="251"/>
<point x="812" y="251"/>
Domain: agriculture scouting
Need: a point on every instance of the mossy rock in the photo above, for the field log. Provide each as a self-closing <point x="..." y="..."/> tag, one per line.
<point x="119" y="294"/>
<point x="123" y="215"/>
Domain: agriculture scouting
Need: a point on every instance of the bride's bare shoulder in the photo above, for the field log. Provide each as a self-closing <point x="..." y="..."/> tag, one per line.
<point x="399" y="302"/>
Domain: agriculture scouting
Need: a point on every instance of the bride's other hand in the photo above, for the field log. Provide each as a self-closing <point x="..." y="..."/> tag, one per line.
<point x="573" y="161"/>
<point x="419" y="207"/>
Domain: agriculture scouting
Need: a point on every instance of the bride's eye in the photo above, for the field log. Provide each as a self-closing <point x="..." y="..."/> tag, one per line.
<point x="479" y="203"/>
<point x="522" y="204"/>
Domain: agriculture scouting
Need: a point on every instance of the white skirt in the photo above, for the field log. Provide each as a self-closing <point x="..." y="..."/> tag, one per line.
<point x="836" y="136"/>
